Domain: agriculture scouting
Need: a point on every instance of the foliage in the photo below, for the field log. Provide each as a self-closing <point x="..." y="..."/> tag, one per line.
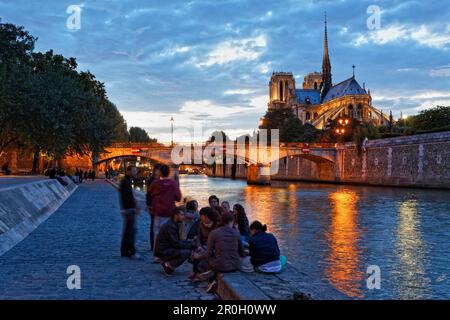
<point x="291" y="128"/>
<point x="49" y="105"/>
<point x="430" y="119"/>
<point x="139" y="135"/>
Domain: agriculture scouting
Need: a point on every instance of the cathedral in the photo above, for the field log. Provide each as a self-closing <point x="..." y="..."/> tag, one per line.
<point x="320" y="100"/>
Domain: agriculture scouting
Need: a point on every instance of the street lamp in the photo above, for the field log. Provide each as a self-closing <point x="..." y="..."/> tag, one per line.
<point x="171" y="125"/>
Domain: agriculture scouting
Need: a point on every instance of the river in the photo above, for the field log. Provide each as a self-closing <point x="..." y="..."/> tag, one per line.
<point x="335" y="232"/>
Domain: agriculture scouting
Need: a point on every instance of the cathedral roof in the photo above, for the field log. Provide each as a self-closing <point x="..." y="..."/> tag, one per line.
<point x="346" y="87"/>
<point x="304" y="94"/>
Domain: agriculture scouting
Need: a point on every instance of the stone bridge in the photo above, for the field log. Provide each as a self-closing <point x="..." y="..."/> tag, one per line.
<point x="260" y="163"/>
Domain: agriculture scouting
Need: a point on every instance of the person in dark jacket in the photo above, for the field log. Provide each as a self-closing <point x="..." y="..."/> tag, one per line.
<point x="169" y="247"/>
<point x="241" y="221"/>
<point x="189" y="225"/>
<point x="264" y="250"/>
<point x="129" y="209"/>
<point x="164" y="193"/>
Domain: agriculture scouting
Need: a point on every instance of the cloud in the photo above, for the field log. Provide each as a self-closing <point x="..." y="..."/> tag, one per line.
<point x="205" y="114"/>
<point x="239" y="91"/>
<point x="423" y="35"/>
<point x="246" y="49"/>
<point x="440" y="72"/>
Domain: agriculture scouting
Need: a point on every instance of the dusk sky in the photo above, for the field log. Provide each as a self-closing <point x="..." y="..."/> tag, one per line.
<point x="209" y="62"/>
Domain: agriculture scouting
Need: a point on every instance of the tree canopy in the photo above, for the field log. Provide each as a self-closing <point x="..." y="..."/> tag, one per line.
<point x="46" y="103"/>
<point x="139" y="135"/>
<point x="291" y="128"/>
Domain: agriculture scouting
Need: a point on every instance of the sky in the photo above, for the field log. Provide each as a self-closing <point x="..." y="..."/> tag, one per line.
<point x="208" y="63"/>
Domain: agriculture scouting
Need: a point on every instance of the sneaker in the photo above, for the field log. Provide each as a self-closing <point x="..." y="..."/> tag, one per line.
<point x="206" y="275"/>
<point x="157" y="260"/>
<point x="212" y="287"/>
<point x="167" y="269"/>
<point x="135" y="256"/>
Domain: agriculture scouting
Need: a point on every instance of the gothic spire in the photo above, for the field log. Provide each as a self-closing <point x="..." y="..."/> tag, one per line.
<point x="326" y="65"/>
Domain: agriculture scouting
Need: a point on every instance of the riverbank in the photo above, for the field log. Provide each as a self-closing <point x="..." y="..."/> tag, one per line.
<point x="288" y="285"/>
<point x="86" y="231"/>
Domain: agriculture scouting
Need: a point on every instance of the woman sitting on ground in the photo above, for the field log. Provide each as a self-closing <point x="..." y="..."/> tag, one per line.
<point x="241" y="221"/>
<point x="209" y="220"/>
<point x="264" y="250"/>
<point x="223" y="251"/>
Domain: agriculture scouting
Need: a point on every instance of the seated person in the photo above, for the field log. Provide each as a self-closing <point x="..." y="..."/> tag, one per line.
<point x="241" y="221"/>
<point x="224" y="248"/>
<point x="189" y="225"/>
<point x="209" y="219"/>
<point x="169" y="247"/>
<point x="264" y="251"/>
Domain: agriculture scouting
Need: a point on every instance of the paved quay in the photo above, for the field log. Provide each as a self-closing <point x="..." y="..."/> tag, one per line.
<point x="85" y="231"/>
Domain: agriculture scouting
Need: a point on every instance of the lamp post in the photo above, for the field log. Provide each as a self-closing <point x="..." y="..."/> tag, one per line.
<point x="171" y="126"/>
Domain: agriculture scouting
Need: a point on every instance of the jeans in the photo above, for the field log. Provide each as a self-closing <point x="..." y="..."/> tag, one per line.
<point x="127" y="248"/>
<point x="152" y="232"/>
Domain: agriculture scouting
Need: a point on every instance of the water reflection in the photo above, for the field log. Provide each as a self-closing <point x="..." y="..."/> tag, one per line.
<point x="411" y="250"/>
<point x="334" y="232"/>
<point x="343" y="268"/>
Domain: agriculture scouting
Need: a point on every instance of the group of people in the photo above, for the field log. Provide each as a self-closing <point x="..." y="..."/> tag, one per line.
<point x="84" y="175"/>
<point x="214" y="239"/>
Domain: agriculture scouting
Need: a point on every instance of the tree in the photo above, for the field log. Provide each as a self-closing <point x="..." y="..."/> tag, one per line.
<point x="436" y="118"/>
<point x="138" y="135"/>
<point x="16" y="46"/>
<point x="291" y="128"/>
<point x="47" y="104"/>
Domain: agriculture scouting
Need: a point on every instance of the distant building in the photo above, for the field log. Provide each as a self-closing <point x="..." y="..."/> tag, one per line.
<point x="319" y="100"/>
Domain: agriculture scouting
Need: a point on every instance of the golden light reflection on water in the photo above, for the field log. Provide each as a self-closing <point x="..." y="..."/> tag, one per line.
<point x="410" y="271"/>
<point x="262" y="200"/>
<point x="344" y="270"/>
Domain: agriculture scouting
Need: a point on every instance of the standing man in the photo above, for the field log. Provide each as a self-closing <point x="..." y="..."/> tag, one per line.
<point x="164" y="193"/>
<point x="130" y="210"/>
<point x="155" y="176"/>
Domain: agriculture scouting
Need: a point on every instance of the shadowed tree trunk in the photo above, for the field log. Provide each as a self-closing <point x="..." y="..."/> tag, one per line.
<point x="36" y="153"/>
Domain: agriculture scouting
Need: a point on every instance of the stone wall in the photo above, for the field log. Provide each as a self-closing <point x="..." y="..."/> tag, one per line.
<point x="414" y="161"/>
<point x="23" y="208"/>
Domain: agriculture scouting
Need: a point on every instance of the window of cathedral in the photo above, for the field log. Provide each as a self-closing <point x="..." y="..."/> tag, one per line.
<point x="308" y="116"/>
<point x="316" y="115"/>
<point x="315" y="85"/>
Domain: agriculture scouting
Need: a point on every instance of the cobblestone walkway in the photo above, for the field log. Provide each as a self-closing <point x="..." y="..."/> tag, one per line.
<point x="85" y="231"/>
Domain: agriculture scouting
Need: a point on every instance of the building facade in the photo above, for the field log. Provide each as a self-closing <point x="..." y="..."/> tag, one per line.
<point x="319" y="100"/>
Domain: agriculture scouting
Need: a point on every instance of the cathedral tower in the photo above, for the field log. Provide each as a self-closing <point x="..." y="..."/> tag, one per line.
<point x="327" y="82"/>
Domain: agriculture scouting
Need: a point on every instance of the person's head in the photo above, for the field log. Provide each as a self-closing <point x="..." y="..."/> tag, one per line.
<point x="226" y="206"/>
<point x="239" y="211"/>
<point x="213" y="201"/>
<point x="191" y="206"/>
<point x="177" y="214"/>
<point x="204" y="214"/>
<point x="227" y="218"/>
<point x="131" y="171"/>
<point x="156" y="171"/>
<point x="257" y="226"/>
<point x="165" y="170"/>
